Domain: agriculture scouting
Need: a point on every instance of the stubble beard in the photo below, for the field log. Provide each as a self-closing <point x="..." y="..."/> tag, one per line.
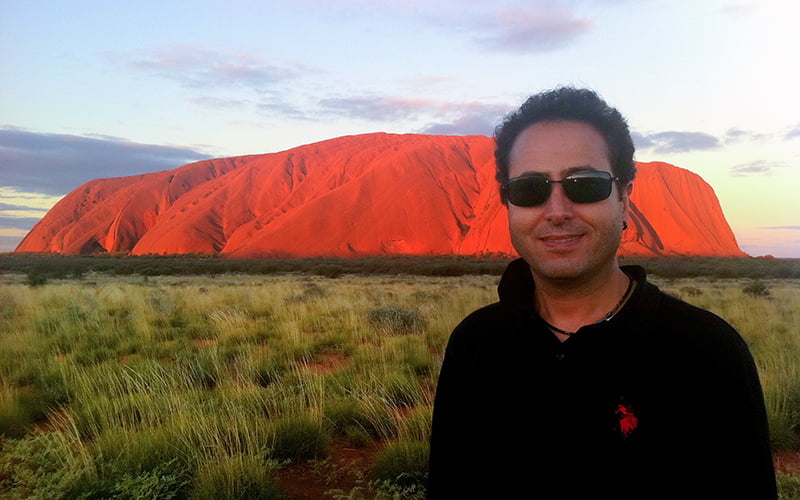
<point x="572" y="266"/>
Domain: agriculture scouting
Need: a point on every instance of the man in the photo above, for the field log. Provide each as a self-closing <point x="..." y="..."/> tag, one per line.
<point x="585" y="380"/>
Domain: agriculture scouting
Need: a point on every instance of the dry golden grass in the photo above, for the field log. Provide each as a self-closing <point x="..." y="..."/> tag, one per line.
<point x="216" y="379"/>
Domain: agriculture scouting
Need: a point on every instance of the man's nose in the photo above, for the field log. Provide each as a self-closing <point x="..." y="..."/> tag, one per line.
<point x="558" y="207"/>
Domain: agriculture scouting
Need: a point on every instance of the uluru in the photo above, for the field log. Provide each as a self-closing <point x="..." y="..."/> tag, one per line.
<point x="362" y="195"/>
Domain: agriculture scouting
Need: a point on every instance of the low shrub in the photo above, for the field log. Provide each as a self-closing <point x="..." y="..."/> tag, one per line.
<point x="347" y="419"/>
<point x="45" y="466"/>
<point x="267" y="372"/>
<point x="756" y="288"/>
<point x="236" y="477"/>
<point x="395" y="320"/>
<point x="298" y="438"/>
<point x="403" y="463"/>
<point x="14" y="420"/>
<point x="36" y="278"/>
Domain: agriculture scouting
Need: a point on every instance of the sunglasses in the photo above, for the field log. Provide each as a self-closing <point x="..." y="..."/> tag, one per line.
<point x="581" y="187"/>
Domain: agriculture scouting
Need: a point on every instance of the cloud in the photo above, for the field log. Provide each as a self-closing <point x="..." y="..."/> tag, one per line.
<point x="538" y="28"/>
<point x="13" y="199"/>
<point x="55" y="164"/>
<point x="505" y="25"/>
<point x="37" y="169"/>
<point x="466" y="125"/>
<point x="279" y="107"/>
<point x="793" y="133"/>
<point x="471" y="119"/>
<point x="675" y="142"/>
<point x="738" y="135"/>
<point x="199" y="67"/>
<point x="759" y="167"/>
<point x="788" y="228"/>
<point x="443" y="117"/>
<point x="8" y="243"/>
<point x="375" y="108"/>
<point x="17" y="226"/>
<point x="218" y="102"/>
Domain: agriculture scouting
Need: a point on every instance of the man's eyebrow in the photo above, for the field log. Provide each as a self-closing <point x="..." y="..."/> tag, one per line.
<point x="582" y="168"/>
<point x="568" y="172"/>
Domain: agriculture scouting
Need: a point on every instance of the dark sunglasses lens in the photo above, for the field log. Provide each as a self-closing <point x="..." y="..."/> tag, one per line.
<point x="528" y="191"/>
<point x="587" y="189"/>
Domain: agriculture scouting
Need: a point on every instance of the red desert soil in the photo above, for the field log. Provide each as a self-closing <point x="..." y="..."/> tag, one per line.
<point x="305" y="482"/>
<point x="787" y="462"/>
<point x="346" y="468"/>
<point x="373" y="194"/>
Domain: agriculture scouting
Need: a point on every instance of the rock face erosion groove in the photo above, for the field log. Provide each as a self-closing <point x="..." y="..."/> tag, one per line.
<point x="373" y="194"/>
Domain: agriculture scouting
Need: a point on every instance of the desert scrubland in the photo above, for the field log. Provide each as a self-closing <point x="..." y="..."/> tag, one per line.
<point x="276" y="385"/>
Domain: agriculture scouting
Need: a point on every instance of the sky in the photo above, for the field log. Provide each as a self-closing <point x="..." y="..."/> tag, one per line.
<point x="96" y="89"/>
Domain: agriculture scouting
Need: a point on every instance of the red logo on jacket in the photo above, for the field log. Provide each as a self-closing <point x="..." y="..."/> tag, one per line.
<point x="627" y="421"/>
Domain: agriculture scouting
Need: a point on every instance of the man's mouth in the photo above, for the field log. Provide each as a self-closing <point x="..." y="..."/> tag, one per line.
<point x="561" y="241"/>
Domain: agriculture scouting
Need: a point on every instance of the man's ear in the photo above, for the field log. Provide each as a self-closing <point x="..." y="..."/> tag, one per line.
<point x="625" y="195"/>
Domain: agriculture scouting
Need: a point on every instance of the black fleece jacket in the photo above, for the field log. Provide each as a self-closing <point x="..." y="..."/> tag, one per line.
<point x="661" y="401"/>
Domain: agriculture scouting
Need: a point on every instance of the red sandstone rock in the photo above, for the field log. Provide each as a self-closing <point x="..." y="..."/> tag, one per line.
<point x="351" y="196"/>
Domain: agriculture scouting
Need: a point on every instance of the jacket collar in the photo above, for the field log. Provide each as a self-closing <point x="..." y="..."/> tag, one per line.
<point x="516" y="286"/>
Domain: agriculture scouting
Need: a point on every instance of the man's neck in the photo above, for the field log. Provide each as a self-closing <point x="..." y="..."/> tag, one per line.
<point x="571" y="304"/>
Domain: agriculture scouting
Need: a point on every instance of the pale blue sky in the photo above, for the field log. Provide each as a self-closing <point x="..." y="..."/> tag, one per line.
<point x="98" y="89"/>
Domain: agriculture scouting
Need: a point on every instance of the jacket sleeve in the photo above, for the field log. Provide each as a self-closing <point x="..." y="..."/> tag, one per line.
<point x="451" y="460"/>
<point x="722" y="418"/>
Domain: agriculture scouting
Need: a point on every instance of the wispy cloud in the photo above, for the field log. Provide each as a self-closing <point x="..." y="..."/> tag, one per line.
<point x="19" y="212"/>
<point x="783" y="228"/>
<point x="376" y="108"/>
<point x="219" y="102"/>
<point x="469" y="119"/>
<point x="535" y="28"/>
<point x="199" y="67"/>
<point x="793" y="132"/>
<point x="443" y="117"/>
<point x="734" y="135"/>
<point x="517" y="26"/>
<point x="54" y="164"/>
<point x="38" y="169"/>
<point x="759" y="167"/>
<point x="676" y="142"/>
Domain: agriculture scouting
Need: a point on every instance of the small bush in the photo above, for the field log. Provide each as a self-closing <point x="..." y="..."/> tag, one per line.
<point x="36" y="278"/>
<point x="756" y="288"/>
<point x="120" y="452"/>
<point x="400" y="390"/>
<point x="47" y="392"/>
<point x="267" y="372"/>
<point x="417" y="426"/>
<point x="14" y="420"/>
<point x="235" y="477"/>
<point x="311" y="292"/>
<point x="691" y="291"/>
<point x="395" y="320"/>
<point x="347" y="419"/>
<point x="45" y="466"/>
<point x="298" y="438"/>
<point x="403" y="463"/>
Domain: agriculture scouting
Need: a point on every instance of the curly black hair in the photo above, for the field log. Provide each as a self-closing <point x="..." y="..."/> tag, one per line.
<point x="571" y="104"/>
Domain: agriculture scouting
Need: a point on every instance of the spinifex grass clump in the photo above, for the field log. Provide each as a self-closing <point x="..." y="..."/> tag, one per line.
<point x="756" y="288"/>
<point x="395" y="320"/>
<point x="202" y="387"/>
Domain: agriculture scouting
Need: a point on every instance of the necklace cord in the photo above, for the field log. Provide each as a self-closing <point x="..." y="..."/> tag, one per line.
<point x="608" y="315"/>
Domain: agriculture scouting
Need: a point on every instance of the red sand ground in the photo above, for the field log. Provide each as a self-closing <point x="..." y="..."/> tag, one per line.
<point x="346" y="468"/>
<point x="373" y="194"/>
<point x="307" y="482"/>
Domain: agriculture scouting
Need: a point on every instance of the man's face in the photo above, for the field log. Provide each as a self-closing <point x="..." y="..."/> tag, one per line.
<point x="562" y="239"/>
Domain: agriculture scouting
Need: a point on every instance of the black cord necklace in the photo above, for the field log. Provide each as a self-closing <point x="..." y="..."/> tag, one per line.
<point x="607" y="317"/>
